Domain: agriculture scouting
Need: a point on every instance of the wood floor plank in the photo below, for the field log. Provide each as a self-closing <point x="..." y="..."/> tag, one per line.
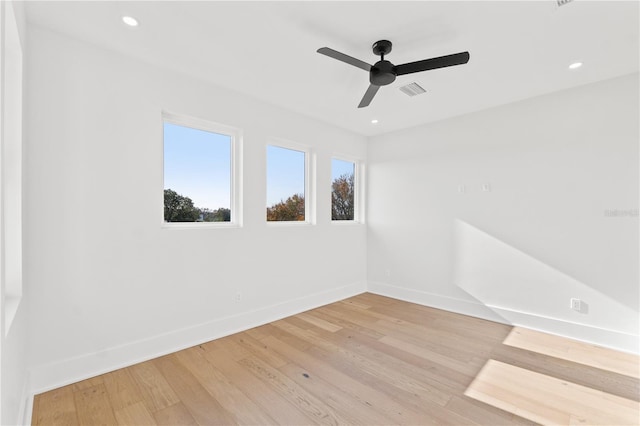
<point x="289" y="338"/>
<point x="434" y="339"/>
<point x="424" y="369"/>
<point x="354" y="315"/>
<point x="122" y="389"/>
<point x="369" y="299"/>
<point x="342" y="321"/>
<point x="222" y="389"/>
<point x="56" y="407"/>
<point x="470" y="368"/>
<point x="393" y="377"/>
<point x="315" y="409"/>
<point x="93" y="406"/>
<point x="88" y="383"/>
<point x="480" y="413"/>
<point x="202" y="406"/>
<point x="134" y="414"/>
<point x="387" y="356"/>
<point x="458" y="325"/>
<point x="319" y="322"/>
<point x="174" y="415"/>
<point x="349" y="408"/>
<point x="255" y="347"/>
<point x="616" y="384"/>
<point x="572" y="350"/>
<point x="306" y="376"/>
<point x="293" y="321"/>
<point x="280" y="409"/>
<point x="365" y="360"/>
<point x="359" y="302"/>
<point x="154" y="389"/>
<point x="425" y="410"/>
<point x="230" y="346"/>
<point x="548" y="400"/>
<point x="424" y="333"/>
<point x="368" y="396"/>
<point x="259" y="332"/>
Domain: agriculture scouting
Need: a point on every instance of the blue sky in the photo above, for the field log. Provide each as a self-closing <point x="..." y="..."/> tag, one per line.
<point x="341" y="167"/>
<point x="285" y="173"/>
<point x="197" y="165"/>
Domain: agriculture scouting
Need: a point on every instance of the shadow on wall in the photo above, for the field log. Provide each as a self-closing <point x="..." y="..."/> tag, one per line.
<point x="506" y="280"/>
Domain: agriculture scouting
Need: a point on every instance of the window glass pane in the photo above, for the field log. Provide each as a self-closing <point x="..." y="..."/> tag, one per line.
<point x="342" y="189"/>
<point x="285" y="184"/>
<point x="197" y="175"/>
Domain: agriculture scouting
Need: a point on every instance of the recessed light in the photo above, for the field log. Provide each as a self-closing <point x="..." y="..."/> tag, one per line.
<point x="130" y="20"/>
<point x="575" y="65"/>
<point x="374" y="121"/>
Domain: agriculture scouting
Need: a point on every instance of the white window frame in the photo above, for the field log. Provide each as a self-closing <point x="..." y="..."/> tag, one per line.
<point x="236" y="170"/>
<point x="358" y="190"/>
<point x="309" y="182"/>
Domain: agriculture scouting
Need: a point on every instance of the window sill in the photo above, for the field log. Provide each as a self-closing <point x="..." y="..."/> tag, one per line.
<point x="200" y="225"/>
<point x="279" y="223"/>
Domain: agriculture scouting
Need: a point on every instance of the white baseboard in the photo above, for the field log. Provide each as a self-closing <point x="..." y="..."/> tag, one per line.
<point x="61" y="373"/>
<point x="599" y="336"/>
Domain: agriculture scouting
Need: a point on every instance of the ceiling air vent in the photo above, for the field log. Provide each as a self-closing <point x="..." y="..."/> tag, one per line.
<point x="412" y="89"/>
<point x="563" y="2"/>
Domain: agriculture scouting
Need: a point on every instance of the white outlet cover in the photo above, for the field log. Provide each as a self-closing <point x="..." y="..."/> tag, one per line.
<point x="575" y="304"/>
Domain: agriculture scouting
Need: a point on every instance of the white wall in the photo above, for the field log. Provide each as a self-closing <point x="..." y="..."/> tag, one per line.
<point x="555" y="164"/>
<point x="108" y="285"/>
<point x="13" y="304"/>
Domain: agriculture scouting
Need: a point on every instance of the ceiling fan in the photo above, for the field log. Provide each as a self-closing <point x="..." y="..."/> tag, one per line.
<point x="384" y="72"/>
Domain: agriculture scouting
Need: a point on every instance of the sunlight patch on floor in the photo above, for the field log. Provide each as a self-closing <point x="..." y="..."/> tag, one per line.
<point x="575" y="351"/>
<point x="548" y="400"/>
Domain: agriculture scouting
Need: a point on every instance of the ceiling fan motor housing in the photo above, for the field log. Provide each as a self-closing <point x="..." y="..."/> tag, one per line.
<point x="382" y="73"/>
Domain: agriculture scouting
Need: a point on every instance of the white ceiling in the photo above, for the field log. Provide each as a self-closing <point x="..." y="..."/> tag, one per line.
<point x="268" y="49"/>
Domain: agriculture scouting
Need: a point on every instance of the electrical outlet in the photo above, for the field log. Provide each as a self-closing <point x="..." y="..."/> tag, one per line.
<point x="486" y="187"/>
<point x="576" y="304"/>
<point x="387" y="272"/>
<point x="238" y="297"/>
<point x="462" y="189"/>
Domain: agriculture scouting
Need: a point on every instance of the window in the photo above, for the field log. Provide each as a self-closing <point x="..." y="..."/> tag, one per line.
<point x="200" y="172"/>
<point x="343" y="189"/>
<point x="287" y="184"/>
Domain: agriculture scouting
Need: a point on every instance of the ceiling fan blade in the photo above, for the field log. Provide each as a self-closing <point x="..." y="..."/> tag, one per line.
<point x="433" y="63"/>
<point x="344" y="58"/>
<point x="368" y="95"/>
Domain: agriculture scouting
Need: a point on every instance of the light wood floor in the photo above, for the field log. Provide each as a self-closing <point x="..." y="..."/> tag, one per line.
<point x="367" y="360"/>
